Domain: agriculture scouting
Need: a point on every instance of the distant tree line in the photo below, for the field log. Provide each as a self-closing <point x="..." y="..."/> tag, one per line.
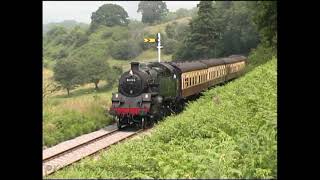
<point x="228" y="27"/>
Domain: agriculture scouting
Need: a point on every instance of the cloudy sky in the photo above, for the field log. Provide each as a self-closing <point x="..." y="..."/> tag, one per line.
<point x="57" y="11"/>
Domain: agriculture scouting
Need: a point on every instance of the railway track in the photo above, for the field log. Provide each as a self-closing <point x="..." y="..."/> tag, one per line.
<point x="73" y="150"/>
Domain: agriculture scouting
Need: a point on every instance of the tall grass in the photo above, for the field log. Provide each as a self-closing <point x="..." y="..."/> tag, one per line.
<point x="230" y="132"/>
<point x="65" y="118"/>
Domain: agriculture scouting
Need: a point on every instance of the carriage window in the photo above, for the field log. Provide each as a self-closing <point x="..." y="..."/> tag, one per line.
<point x="187" y="83"/>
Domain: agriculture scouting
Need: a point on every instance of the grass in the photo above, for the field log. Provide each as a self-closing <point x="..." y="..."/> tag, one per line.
<point x="230" y="132"/>
<point x="66" y="117"/>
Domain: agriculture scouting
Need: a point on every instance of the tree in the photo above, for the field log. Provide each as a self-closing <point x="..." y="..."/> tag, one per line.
<point x="265" y="17"/>
<point x="55" y="31"/>
<point x="181" y="31"/>
<point x="92" y="70"/>
<point x="109" y="15"/>
<point x="113" y="75"/>
<point x="169" y="46"/>
<point x="170" y="30"/>
<point x="232" y="31"/>
<point x="204" y="31"/>
<point x="239" y="34"/>
<point x="125" y="50"/>
<point x="152" y="11"/>
<point x="66" y="73"/>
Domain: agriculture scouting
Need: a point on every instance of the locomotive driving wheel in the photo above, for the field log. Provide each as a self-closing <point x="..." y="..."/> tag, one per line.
<point x="118" y="123"/>
<point x="143" y="123"/>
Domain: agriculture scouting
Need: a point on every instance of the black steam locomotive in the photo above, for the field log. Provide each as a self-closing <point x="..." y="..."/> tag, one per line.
<point x="148" y="92"/>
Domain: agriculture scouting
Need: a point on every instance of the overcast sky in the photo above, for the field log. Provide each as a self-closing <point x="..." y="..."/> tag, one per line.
<point x="57" y="11"/>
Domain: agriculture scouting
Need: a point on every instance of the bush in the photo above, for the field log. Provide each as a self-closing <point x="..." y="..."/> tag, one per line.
<point x="170" y="46"/>
<point x="120" y="33"/>
<point x="260" y="55"/>
<point x="181" y="31"/>
<point x="106" y="35"/>
<point x="124" y="50"/>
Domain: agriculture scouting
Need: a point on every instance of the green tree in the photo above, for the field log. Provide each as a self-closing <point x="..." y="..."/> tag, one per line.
<point x="265" y="17"/>
<point x="113" y="75"/>
<point x="181" y="31"/>
<point x="204" y="32"/>
<point x="109" y="15"/>
<point x="152" y="11"/>
<point x="239" y="34"/>
<point x="169" y="46"/>
<point x="55" y="31"/>
<point x="93" y="70"/>
<point x="170" y="30"/>
<point x="125" y="50"/>
<point x="66" y="73"/>
<point x="232" y="32"/>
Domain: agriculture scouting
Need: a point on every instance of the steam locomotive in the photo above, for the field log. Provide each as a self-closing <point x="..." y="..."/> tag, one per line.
<point x="150" y="91"/>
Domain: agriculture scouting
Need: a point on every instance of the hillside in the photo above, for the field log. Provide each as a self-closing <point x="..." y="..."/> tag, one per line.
<point x="161" y="27"/>
<point x="69" y="24"/>
<point x="230" y="132"/>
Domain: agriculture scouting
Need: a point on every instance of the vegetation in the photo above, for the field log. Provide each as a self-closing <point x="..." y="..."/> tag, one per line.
<point x="152" y="11"/>
<point x="234" y="137"/>
<point x="126" y="50"/>
<point x="265" y="16"/>
<point x="66" y="74"/>
<point x="68" y="24"/>
<point x="180" y="13"/>
<point x="66" y="117"/>
<point x="169" y="46"/>
<point x="221" y="28"/>
<point x="93" y="70"/>
<point x="109" y="15"/>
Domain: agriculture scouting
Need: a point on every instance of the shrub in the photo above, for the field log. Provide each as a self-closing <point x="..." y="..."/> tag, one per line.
<point x="170" y="46"/>
<point x="124" y="50"/>
<point x="260" y="55"/>
<point x="106" y="35"/>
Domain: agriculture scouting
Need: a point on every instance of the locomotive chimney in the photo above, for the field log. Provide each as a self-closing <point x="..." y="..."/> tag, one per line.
<point x="134" y="66"/>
